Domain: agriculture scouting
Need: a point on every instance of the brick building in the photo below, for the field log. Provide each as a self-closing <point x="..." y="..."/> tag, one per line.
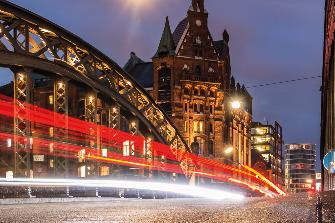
<point x="190" y="77"/>
<point x="327" y="143"/>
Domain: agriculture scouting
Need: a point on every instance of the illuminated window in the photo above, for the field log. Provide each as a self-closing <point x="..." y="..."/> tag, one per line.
<point x="186" y="126"/>
<point x="128" y="148"/>
<point x="9" y="142"/>
<point x="51" y="99"/>
<point x="82" y="171"/>
<point x="51" y="163"/>
<point x="104" y="153"/>
<point x="104" y="171"/>
<point x="51" y="131"/>
<point x="195" y="126"/>
<point x="201" y="127"/>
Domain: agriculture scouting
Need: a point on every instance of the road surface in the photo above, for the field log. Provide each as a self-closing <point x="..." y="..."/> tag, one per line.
<point x="296" y="208"/>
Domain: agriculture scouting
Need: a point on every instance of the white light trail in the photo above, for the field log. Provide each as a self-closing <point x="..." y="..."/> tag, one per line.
<point x="194" y="191"/>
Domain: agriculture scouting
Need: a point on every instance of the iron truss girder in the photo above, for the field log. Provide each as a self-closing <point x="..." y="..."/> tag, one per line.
<point x="29" y="34"/>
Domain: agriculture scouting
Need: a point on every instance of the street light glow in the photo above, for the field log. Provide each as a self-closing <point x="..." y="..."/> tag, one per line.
<point x="236" y="104"/>
<point x="229" y="150"/>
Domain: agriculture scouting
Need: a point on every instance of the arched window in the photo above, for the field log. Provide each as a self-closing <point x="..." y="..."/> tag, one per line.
<point x="196" y="91"/>
<point x="186" y="91"/>
<point x="212" y="93"/>
<point x="202" y="92"/>
<point x="197" y="70"/>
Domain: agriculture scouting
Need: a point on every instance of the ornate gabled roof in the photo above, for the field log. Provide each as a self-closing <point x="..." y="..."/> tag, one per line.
<point x="167" y="45"/>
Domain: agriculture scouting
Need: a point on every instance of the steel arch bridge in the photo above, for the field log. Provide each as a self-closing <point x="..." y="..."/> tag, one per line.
<point x="80" y="74"/>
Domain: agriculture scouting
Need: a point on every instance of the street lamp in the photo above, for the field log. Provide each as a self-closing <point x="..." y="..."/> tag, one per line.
<point x="236" y="104"/>
<point x="229" y="150"/>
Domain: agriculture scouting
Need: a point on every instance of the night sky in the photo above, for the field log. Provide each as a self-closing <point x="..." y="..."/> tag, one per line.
<point x="271" y="40"/>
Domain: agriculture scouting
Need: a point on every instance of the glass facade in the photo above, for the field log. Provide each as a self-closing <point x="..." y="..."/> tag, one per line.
<point x="300" y="167"/>
<point x="267" y="141"/>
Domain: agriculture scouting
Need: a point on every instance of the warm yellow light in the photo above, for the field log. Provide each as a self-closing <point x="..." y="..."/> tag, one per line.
<point x="309" y="181"/>
<point x="236" y="104"/>
<point x="137" y="3"/>
<point x="229" y="150"/>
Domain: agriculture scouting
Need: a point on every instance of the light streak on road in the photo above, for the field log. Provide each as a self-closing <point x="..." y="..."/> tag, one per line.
<point x="151" y="186"/>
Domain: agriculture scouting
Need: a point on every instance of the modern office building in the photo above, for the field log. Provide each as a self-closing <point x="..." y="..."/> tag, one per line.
<point x="300" y="167"/>
<point x="267" y="140"/>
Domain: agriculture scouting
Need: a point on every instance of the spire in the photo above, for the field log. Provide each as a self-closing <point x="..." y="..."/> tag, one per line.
<point x="198" y="6"/>
<point x="166" y="46"/>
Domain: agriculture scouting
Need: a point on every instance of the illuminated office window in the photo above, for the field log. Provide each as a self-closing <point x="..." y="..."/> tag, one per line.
<point x="51" y="99"/>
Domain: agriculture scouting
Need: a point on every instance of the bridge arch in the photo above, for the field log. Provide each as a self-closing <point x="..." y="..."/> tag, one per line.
<point x="30" y="43"/>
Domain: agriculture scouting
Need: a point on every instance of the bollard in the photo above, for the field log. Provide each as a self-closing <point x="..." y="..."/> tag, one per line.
<point x="319" y="210"/>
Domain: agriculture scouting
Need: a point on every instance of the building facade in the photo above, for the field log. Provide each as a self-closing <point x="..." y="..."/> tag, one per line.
<point x="327" y="143"/>
<point x="267" y="140"/>
<point x="190" y="78"/>
<point x="300" y="167"/>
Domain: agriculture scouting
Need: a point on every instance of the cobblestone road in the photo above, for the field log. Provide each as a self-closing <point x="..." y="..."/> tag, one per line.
<point x="296" y="208"/>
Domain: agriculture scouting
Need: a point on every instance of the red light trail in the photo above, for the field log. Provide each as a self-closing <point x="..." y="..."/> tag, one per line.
<point x="80" y="135"/>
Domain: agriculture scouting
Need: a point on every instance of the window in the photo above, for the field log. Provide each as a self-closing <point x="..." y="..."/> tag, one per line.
<point x="104" y="171"/>
<point x="201" y="108"/>
<point x="82" y="171"/>
<point x="128" y="148"/>
<point x="211" y="70"/>
<point x="104" y="153"/>
<point x="212" y="93"/>
<point x="195" y="108"/>
<point x="203" y="92"/>
<point x="211" y="148"/>
<point x="211" y="109"/>
<point x="211" y="130"/>
<point x="198" y="70"/>
<point x="195" y="126"/>
<point x="186" y="126"/>
<point x="51" y="99"/>
<point x="201" y="127"/>
<point x="196" y="91"/>
<point x="186" y="91"/>
<point x="185" y="107"/>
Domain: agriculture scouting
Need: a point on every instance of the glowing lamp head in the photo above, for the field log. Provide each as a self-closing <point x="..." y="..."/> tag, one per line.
<point x="236" y="104"/>
<point x="229" y="150"/>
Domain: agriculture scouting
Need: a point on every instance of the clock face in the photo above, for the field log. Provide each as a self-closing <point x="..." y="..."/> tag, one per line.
<point x="198" y="22"/>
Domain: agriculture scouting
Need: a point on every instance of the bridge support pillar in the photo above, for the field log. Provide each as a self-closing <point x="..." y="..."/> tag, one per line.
<point x="22" y="126"/>
<point x="92" y="167"/>
<point x="59" y="162"/>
